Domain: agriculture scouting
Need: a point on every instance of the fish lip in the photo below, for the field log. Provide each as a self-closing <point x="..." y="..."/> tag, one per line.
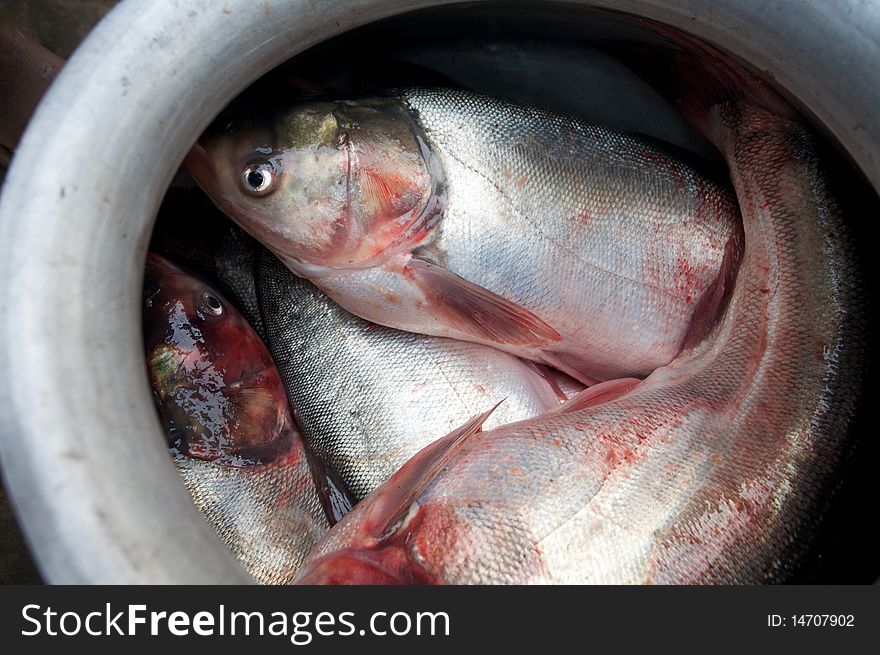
<point x="276" y="452"/>
<point x="198" y="165"/>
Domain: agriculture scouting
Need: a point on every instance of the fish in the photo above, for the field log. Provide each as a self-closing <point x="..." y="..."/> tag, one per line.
<point x="189" y="230"/>
<point x="716" y="468"/>
<point x="368" y="397"/>
<point x="229" y="427"/>
<point x="452" y="214"/>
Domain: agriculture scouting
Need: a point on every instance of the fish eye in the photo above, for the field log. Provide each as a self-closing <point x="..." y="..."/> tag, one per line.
<point x="259" y="178"/>
<point x="212" y="304"/>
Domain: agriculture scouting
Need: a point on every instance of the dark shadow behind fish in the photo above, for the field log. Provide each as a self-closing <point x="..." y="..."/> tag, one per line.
<point x="26" y="70"/>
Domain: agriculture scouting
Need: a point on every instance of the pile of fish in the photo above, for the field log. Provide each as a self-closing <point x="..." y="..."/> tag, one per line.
<point x="516" y="347"/>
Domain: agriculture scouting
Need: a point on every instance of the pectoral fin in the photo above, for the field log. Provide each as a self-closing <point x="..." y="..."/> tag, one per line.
<point x="596" y="395"/>
<point x="476" y="311"/>
<point x="395" y="497"/>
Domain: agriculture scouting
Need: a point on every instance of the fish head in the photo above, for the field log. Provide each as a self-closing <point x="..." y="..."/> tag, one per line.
<point x="389" y="566"/>
<point x="397" y="534"/>
<point x="418" y="549"/>
<point x="232" y="436"/>
<point x="215" y="385"/>
<point x="321" y="183"/>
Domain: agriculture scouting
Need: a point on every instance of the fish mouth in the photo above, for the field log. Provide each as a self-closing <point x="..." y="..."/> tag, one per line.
<point x="198" y="164"/>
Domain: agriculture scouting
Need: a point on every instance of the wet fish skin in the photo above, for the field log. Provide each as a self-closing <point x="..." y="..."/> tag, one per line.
<point x="191" y="231"/>
<point x="452" y="214"/>
<point x="716" y="468"/>
<point x="232" y="437"/>
<point x="368" y="397"/>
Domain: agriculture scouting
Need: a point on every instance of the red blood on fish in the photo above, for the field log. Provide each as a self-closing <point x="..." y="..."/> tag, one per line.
<point x="217" y="387"/>
<point x="718" y="466"/>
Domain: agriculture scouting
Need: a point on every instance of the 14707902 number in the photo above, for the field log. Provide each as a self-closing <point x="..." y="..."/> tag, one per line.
<point x="811" y="620"/>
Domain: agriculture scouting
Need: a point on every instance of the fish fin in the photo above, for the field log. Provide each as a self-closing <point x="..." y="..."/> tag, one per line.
<point x="477" y="311"/>
<point x="385" y="177"/>
<point x="558" y="361"/>
<point x="382" y="189"/>
<point x="395" y="497"/>
<point x="336" y="500"/>
<point x="256" y="409"/>
<point x="544" y="372"/>
<point x="596" y="395"/>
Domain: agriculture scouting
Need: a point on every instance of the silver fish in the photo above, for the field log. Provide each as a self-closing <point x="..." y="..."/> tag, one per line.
<point x="367" y="397"/>
<point x="714" y="469"/>
<point x="448" y="213"/>
<point x="233" y="440"/>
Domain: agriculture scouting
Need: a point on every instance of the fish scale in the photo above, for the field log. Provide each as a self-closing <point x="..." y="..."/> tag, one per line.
<point x="716" y="468"/>
<point x="517" y="204"/>
<point x="368" y="397"/>
<point x="266" y="516"/>
<point x="448" y="213"/>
